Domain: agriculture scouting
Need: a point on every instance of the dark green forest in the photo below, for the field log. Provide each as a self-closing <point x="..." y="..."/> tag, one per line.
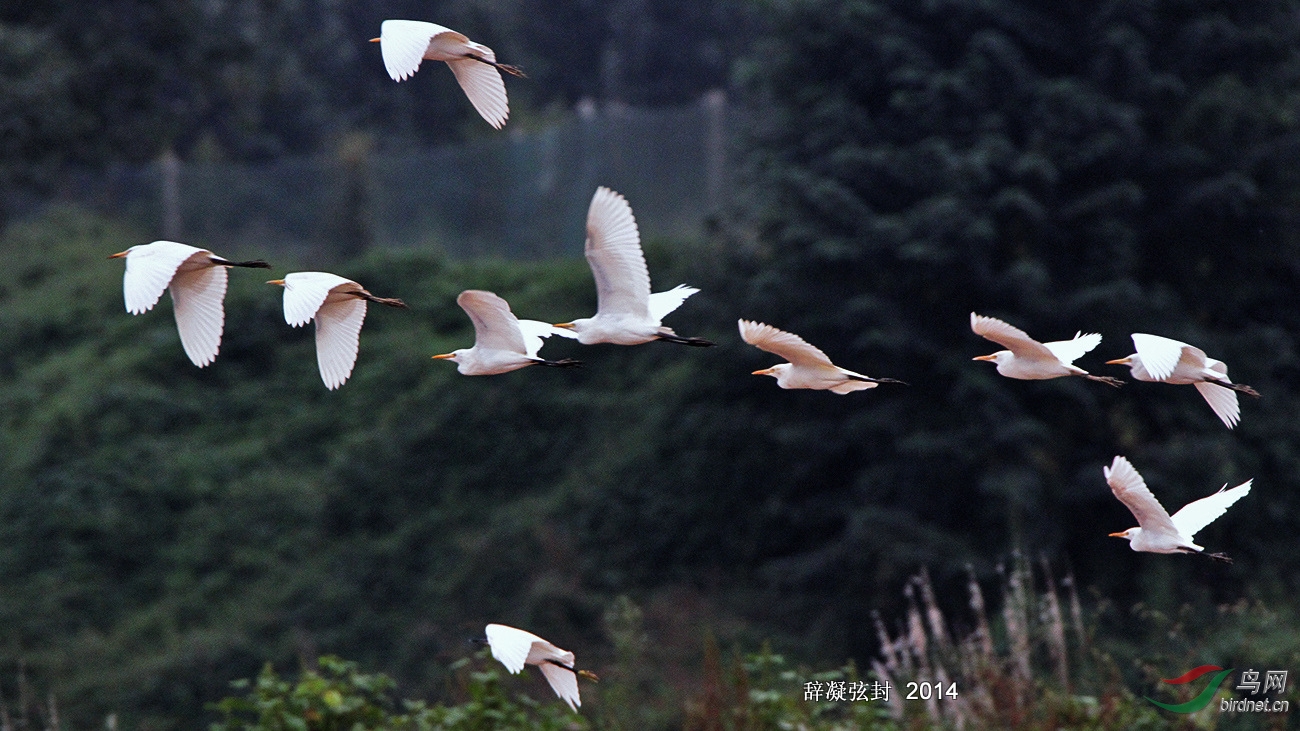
<point x="1117" y="167"/>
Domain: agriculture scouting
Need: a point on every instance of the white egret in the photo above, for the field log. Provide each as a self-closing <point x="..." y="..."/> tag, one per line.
<point x="502" y="342"/>
<point x="626" y="312"/>
<point x="339" y="307"/>
<point x="1164" y="360"/>
<point x="809" y="367"/>
<point x="1029" y="360"/>
<point x="405" y="43"/>
<point x="197" y="280"/>
<point x="1159" y="532"/>
<point x="516" y="648"/>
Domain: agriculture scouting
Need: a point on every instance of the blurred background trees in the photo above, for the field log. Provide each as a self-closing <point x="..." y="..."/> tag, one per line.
<point x="1128" y="166"/>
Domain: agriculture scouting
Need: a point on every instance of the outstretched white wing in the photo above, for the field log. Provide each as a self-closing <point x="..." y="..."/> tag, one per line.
<point x="1010" y="337"/>
<point x="510" y="646"/>
<point x="305" y="292"/>
<point x="1222" y="400"/>
<point x="785" y="344"/>
<point x="483" y="85"/>
<point x="564" y="682"/>
<point x="338" y="337"/>
<point x="1068" y="351"/>
<point x="534" y="333"/>
<point x="495" y="326"/>
<point x="1132" y="490"/>
<point x="614" y="252"/>
<point x="1199" y="513"/>
<point x="403" y="43"/>
<point x="1159" y="355"/>
<point x="149" y="269"/>
<point x="662" y="303"/>
<point x="199" y="297"/>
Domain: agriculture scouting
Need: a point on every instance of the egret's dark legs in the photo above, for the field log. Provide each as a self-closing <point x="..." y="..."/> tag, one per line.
<point x="1104" y="379"/>
<point x="512" y="70"/>
<point x="696" y="342"/>
<point x="561" y="363"/>
<point x="1243" y="388"/>
<point x="390" y="301"/>
<point x="868" y="379"/>
<point x="254" y="264"/>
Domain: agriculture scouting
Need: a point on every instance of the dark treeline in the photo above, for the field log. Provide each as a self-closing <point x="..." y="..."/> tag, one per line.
<point x="1114" y="167"/>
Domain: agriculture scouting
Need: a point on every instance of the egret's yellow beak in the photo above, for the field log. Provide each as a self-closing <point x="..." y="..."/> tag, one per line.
<point x="275" y="281"/>
<point x="764" y="372"/>
<point x="1120" y="361"/>
<point x="1117" y="535"/>
<point x="444" y="356"/>
<point x="119" y="255"/>
<point x="984" y="357"/>
<point x="565" y="325"/>
<point x="374" y="40"/>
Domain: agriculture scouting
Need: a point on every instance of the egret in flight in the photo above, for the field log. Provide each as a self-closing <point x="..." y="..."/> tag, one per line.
<point x="339" y="307"/>
<point x="502" y="342"/>
<point x="405" y="43"/>
<point x="197" y="280"/>
<point x="1029" y="360"/>
<point x="808" y="367"/>
<point x="626" y="312"/>
<point x="1168" y="361"/>
<point x="1159" y="532"/>
<point x="516" y="648"/>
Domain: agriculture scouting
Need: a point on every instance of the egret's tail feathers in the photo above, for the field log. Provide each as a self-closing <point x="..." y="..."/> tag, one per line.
<point x="1103" y="379"/>
<point x="1220" y="557"/>
<point x="253" y="264"/>
<point x="561" y="363"/>
<point x="695" y="342"/>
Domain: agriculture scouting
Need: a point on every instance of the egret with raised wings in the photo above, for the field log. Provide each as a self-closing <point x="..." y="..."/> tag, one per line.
<point x="502" y="342"/>
<point x="1158" y="531"/>
<point x="1029" y="360"/>
<point x="405" y="43"/>
<point x="339" y="307"/>
<point x="808" y="366"/>
<point x="516" y="648"/>
<point x="626" y="312"/>
<point x="1164" y="360"/>
<point x="197" y="280"/>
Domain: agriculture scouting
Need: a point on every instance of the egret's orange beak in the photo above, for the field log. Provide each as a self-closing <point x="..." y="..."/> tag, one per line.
<point x="565" y="325"/>
<point x="984" y="357"/>
<point x="374" y="40"/>
<point x="1117" y="535"/>
<point x="119" y="255"/>
<point x="1120" y="361"/>
<point x="764" y="372"/>
<point x="275" y="281"/>
<point x="444" y="356"/>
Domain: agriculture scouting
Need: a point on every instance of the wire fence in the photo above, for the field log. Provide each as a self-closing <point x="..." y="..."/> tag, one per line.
<point x="520" y="195"/>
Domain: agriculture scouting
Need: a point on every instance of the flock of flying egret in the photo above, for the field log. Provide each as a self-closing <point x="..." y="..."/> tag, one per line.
<point x="627" y="313"/>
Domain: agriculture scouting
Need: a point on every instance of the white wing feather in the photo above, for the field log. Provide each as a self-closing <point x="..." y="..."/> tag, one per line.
<point x="495" y="326"/>
<point x="403" y="43"/>
<point x="305" y="292"/>
<point x="338" y="338"/>
<point x="785" y="344"/>
<point x="534" y="333"/>
<point x="1132" y="490"/>
<point x="662" y="303"/>
<point x="149" y="269"/>
<point x="1010" y="337"/>
<point x="510" y="646"/>
<point x="613" y="250"/>
<point x="484" y="87"/>
<point x="200" y="312"/>
<point x="563" y="682"/>
<point x="1159" y="355"/>
<point x="1199" y="513"/>
<point x="1223" y="401"/>
<point x="1068" y="351"/>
